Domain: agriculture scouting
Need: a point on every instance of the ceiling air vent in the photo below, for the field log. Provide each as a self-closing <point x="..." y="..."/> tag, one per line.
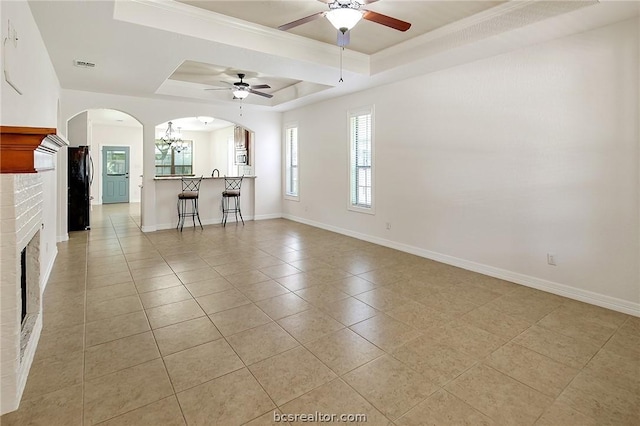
<point x="83" y="64"/>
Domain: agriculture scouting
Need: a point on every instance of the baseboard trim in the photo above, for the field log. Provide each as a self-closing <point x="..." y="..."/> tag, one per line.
<point x="268" y="216"/>
<point x="62" y="238"/>
<point x="613" y="303"/>
<point x="44" y="280"/>
<point x="214" y="221"/>
<point x="144" y="228"/>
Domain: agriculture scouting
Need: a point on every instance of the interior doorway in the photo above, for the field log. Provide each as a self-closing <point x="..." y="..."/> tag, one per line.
<point x="114" y="140"/>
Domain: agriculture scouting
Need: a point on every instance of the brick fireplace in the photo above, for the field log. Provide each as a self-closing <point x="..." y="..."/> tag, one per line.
<point x="24" y="154"/>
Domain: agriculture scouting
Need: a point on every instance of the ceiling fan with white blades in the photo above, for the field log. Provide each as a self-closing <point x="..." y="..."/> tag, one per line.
<point x="345" y="14"/>
<point x="241" y="89"/>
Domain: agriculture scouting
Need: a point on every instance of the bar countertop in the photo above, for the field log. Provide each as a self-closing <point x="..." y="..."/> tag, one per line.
<point x="196" y="177"/>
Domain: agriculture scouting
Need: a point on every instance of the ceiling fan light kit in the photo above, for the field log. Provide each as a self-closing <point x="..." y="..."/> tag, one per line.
<point x="345" y="14"/>
<point x="344" y="18"/>
<point x="240" y="93"/>
<point x="241" y="89"/>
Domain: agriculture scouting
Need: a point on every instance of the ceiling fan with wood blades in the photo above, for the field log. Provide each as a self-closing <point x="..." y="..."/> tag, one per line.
<point x="241" y="89"/>
<point x="345" y="14"/>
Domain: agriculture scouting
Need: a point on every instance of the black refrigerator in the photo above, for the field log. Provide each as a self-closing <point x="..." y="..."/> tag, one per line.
<point x="79" y="185"/>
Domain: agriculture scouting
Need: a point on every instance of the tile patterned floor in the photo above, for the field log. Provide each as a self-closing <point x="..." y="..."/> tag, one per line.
<point x="229" y="325"/>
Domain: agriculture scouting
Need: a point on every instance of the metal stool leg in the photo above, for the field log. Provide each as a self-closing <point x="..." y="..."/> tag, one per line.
<point x="181" y="213"/>
<point x="235" y="207"/>
<point x="225" y="204"/>
<point x="239" y="211"/>
<point x="193" y="209"/>
<point x="179" y="216"/>
<point x="197" y="214"/>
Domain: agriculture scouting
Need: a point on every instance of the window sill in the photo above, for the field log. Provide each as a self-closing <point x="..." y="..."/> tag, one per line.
<point x="295" y="198"/>
<point x="363" y="210"/>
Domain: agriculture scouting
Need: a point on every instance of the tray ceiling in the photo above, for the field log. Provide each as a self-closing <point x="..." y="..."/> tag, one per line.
<point x="175" y="50"/>
<point x="367" y="37"/>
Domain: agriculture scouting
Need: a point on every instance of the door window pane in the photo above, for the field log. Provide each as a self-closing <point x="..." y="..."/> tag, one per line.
<point x="116" y="163"/>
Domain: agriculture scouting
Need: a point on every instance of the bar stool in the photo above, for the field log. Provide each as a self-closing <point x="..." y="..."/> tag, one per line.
<point x="231" y="192"/>
<point x="190" y="191"/>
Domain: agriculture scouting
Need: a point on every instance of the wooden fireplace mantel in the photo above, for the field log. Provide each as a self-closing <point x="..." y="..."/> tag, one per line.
<point x="28" y="149"/>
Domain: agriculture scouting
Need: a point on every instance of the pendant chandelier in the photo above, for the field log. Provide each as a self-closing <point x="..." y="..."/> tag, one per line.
<point x="174" y="139"/>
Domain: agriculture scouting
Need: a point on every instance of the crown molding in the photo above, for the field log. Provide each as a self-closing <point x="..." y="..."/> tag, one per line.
<point x="196" y="22"/>
<point x="498" y="20"/>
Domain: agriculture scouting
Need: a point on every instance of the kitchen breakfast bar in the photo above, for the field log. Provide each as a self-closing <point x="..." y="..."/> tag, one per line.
<point x="209" y="204"/>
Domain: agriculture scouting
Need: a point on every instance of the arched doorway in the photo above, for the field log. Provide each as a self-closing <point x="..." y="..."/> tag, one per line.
<point x="111" y="144"/>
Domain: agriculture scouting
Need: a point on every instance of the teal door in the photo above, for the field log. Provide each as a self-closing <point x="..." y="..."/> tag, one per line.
<point x="115" y="174"/>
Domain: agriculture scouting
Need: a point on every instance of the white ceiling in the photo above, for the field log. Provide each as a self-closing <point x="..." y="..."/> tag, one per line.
<point x="194" y="125"/>
<point x="170" y="50"/>
<point x="112" y="117"/>
<point x="367" y="37"/>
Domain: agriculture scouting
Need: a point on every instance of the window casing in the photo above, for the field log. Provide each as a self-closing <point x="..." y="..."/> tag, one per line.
<point x="169" y="162"/>
<point x="291" y="189"/>
<point x="361" y="161"/>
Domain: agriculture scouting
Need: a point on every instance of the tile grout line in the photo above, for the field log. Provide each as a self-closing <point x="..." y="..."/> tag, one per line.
<point x="135" y="334"/>
<point x="84" y="326"/>
<point x="166" y="371"/>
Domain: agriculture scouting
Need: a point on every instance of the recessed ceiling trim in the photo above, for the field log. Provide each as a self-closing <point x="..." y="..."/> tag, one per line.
<point x="497" y="20"/>
<point x="196" y="22"/>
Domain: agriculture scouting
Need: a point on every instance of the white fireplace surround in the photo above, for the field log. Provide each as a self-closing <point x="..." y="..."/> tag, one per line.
<point x="20" y="220"/>
<point x="27" y="179"/>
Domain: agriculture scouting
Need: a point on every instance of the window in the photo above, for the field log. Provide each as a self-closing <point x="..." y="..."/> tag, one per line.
<point x="361" y="163"/>
<point x="171" y="162"/>
<point x="291" y="161"/>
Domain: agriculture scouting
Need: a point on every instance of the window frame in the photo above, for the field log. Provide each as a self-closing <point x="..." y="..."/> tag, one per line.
<point x="286" y="163"/>
<point x="359" y="208"/>
<point x="172" y="166"/>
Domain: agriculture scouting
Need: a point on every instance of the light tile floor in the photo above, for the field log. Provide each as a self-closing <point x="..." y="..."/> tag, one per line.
<point x="229" y="325"/>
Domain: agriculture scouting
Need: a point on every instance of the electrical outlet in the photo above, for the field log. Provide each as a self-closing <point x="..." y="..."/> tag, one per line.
<point x="388" y="225"/>
<point x="551" y="259"/>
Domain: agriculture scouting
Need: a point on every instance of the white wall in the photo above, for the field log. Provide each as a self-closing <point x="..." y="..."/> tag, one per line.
<point x="220" y="150"/>
<point x="31" y="69"/>
<point x="38" y="104"/>
<point x="105" y="135"/>
<point x="493" y="164"/>
<point x="150" y="112"/>
<point x="78" y="130"/>
<point x="33" y="73"/>
<point x="201" y="151"/>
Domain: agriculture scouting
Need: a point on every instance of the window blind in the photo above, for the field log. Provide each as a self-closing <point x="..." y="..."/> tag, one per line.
<point x="361" y="173"/>
<point x="291" y="161"/>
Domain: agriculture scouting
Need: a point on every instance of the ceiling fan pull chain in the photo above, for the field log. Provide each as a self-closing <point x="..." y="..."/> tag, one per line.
<point x="341" y="80"/>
